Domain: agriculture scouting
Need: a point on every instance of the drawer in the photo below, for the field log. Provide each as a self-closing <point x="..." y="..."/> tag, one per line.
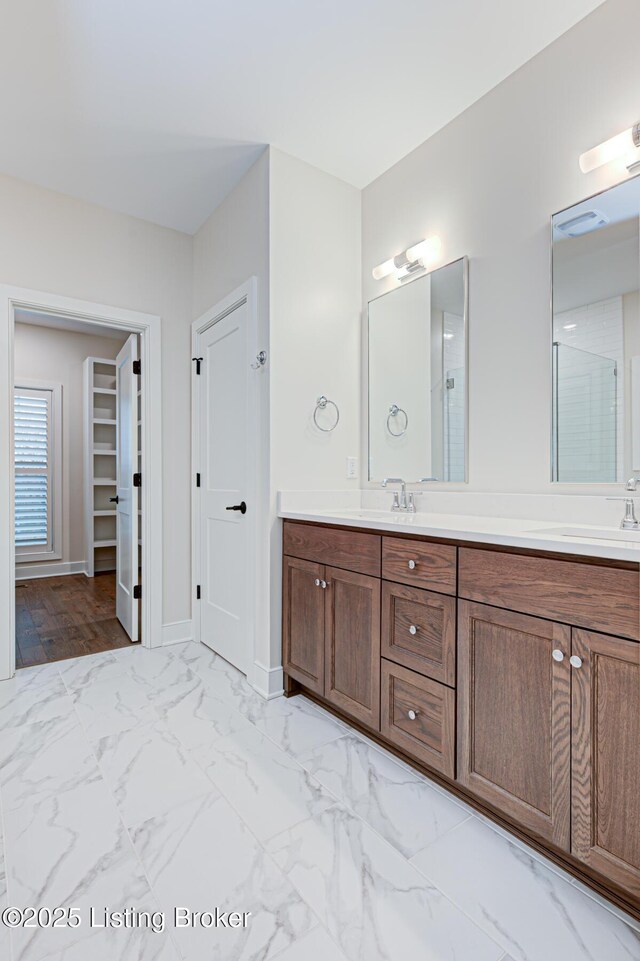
<point x="419" y="631"/>
<point x="587" y="595"/>
<point x="419" y="563"/>
<point x="418" y="716"/>
<point x="350" y="550"/>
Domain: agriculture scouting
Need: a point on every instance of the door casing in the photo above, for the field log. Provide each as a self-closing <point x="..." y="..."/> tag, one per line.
<point x="100" y="315"/>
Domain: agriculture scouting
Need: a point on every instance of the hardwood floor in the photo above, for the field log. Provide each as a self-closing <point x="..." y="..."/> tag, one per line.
<point x="60" y="617"/>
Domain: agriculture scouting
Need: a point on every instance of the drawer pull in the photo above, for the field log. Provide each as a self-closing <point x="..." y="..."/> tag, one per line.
<point x="557" y="655"/>
<point x="412" y="565"/>
<point x="575" y="661"/>
<point x="324" y="585"/>
<point x="413" y="629"/>
<point x="412" y="715"/>
<point x="318" y="582"/>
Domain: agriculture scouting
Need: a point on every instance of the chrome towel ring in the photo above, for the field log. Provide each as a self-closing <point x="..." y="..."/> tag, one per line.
<point x="394" y="410"/>
<point x="322" y="404"/>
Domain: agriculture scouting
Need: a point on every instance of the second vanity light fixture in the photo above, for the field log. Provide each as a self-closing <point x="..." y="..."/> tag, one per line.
<point x="624" y="144"/>
<point x="410" y="261"/>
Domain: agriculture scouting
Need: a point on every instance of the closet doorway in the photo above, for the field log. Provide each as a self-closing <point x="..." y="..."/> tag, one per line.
<point x="85" y="561"/>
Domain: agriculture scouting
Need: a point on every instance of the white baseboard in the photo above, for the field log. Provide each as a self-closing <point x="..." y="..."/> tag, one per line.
<point x="27" y="572"/>
<point x="177" y="632"/>
<point x="267" y="681"/>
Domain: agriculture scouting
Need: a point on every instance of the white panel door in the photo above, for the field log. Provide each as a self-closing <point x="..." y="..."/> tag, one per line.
<point x="126" y="493"/>
<point x="225" y="530"/>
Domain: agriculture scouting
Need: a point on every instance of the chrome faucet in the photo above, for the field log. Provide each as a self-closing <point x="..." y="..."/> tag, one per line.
<point x="632" y="483"/>
<point x="629" y="522"/>
<point x="402" y="502"/>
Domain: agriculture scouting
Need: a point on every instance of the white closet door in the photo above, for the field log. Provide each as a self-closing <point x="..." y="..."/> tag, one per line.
<point x="226" y="521"/>
<point x="126" y="493"/>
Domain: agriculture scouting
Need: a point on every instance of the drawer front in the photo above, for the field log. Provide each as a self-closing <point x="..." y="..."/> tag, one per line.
<point x="420" y="564"/>
<point x="349" y="550"/>
<point x="419" y="631"/>
<point x="418" y="716"/>
<point x="586" y="595"/>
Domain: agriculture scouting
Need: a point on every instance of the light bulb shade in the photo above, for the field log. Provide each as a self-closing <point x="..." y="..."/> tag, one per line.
<point x="623" y="143"/>
<point x="426" y="251"/>
<point x="383" y="270"/>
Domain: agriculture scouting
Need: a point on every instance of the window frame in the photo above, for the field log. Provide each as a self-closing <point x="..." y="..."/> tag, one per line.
<point x="27" y="553"/>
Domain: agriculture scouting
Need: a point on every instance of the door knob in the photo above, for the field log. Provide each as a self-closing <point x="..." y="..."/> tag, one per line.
<point x="412" y="715"/>
<point x="242" y="507"/>
<point x="413" y="629"/>
<point x="557" y="655"/>
<point x="317" y="582"/>
<point x="115" y="500"/>
<point x="412" y="565"/>
<point x="575" y="661"/>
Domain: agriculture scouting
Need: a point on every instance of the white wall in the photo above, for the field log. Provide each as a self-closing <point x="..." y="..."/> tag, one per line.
<point x="42" y="353"/>
<point x="53" y="243"/>
<point x="487" y="184"/>
<point x="315" y="338"/>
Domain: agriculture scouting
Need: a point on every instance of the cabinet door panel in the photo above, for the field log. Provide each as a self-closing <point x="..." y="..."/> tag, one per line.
<point x="605" y="783"/>
<point x="514" y="716"/>
<point x="303" y="623"/>
<point x="352" y="644"/>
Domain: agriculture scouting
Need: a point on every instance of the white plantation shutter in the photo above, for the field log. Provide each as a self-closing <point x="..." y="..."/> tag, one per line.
<point x="33" y="446"/>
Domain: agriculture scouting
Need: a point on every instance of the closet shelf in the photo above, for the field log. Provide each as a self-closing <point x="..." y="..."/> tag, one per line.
<point x="105" y="420"/>
<point x="108" y="513"/>
<point x="99" y="453"/>
<point x="103" y="482"/>
<point x="109" y="543"/>
<point x="105" y="390"/>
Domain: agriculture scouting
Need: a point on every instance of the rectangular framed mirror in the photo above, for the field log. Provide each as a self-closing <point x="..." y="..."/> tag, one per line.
<point x="418" y="378"/>
<point x="596" y="338"/>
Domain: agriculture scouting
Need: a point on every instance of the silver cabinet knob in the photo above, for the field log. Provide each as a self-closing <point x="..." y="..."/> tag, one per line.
<point x="317" y="582"/>
<point x="323" y="585"/>
<point x="413" y="629"/>
<point x="412" y="715"/>
<point x="557" y="655"/>
<point x="412" y="565"/>
<point x="575" y="661"/>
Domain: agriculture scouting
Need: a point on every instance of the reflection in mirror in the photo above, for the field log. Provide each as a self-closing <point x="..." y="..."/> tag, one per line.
<point x="596" y="338"/>
<point x="417" y="378"/>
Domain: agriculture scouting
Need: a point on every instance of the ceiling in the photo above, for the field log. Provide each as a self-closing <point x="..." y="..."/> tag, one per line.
<point x="157" y="108"/>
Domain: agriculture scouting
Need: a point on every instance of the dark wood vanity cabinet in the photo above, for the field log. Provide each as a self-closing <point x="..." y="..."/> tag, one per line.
<point x="514" y="716"/>
<point x="512" y="676"/>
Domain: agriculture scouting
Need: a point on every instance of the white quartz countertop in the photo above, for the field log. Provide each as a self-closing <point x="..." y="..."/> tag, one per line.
<point x="541" y="535"/>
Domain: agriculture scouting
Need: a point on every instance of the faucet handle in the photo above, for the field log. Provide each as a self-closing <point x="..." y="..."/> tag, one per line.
<point x="427" y="480"/>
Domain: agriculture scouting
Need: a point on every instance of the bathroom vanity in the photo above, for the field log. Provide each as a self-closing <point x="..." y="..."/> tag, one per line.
<point x="508" y="673"/>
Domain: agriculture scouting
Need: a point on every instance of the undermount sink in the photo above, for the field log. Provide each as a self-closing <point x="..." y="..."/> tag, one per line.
<point x="592" y="533"/>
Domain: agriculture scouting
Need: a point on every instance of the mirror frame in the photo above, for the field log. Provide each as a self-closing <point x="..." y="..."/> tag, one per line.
<point x="582" y="488"/>
<point x="435" y="485"/>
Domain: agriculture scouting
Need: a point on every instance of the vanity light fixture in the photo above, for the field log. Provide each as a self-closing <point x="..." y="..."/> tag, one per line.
<point x="623" y="143"/>
<point x="410" y="261"/>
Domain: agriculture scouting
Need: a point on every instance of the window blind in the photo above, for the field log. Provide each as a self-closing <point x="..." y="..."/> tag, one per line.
<point x="33" y="468"/>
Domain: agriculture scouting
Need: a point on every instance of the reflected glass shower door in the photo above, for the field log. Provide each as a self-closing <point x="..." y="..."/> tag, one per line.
<point x="584" y="416"/>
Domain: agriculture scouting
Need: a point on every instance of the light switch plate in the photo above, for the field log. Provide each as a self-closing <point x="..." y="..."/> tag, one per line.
<point x="352" y="467"/>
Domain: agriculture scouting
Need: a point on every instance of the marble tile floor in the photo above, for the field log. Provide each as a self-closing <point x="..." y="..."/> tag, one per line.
<point x="150" y="780"/>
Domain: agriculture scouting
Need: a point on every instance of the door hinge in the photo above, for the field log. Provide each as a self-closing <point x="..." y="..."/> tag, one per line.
<point x="198" y="592"/>
<point x="450" y="383"/>
<point x="137" y="480"/>
<point x="137" y="366"/>
<point x="198" y="361"/>
<point x="137" y="592"/>
<point x="197" y="480"/>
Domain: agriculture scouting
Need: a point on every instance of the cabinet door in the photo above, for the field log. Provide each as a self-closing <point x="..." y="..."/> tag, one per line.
<point x="514" y="716"/>
<point x="352" y="644"/>
<point x="303" y="622"/>
<point x="605" y="767"/>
